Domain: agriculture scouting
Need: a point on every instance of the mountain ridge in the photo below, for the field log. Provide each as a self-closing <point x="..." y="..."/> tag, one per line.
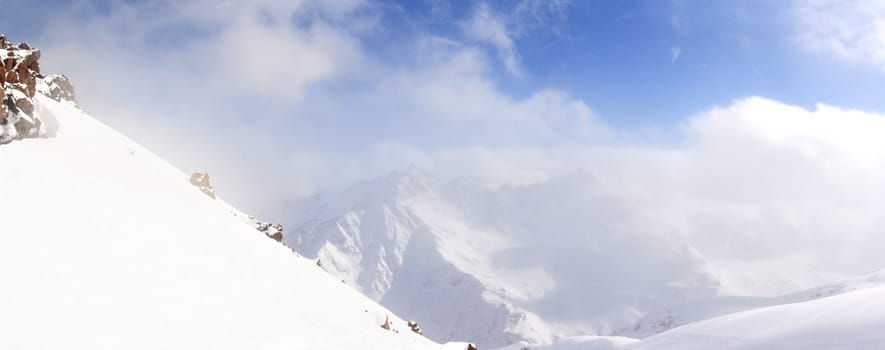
<point x="477" y="233"/>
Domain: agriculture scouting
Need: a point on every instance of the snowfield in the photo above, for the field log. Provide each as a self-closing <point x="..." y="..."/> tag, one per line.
<point x="103" y="245"/>
<point x="845" y="315"/>
<point x="587" y="342"/>
<point x="853" y="320"/>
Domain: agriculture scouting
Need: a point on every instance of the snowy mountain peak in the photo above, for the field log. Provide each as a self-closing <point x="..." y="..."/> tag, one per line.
<point x="410" y="180"/>
<point x="21" y="81"/>
<point x="488" y="256"/>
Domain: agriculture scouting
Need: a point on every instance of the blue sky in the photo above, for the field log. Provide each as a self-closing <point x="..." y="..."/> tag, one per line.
<point x="615" y="53"/>
<point x="330" y="92"/>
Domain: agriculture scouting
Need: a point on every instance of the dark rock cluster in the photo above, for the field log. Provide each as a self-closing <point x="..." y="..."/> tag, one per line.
<point x="415" y="328"/>
<point x="274" y="231"/>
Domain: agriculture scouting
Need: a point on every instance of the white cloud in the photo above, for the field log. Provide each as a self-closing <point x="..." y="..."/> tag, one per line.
<point x="241" y="87"/>
<point x="853" y="31"/>
<point x="675" y="52"/>
<point x="453" y="88"/>
<point x="501" y="29"/>
<point x="487" y="27"/>
<point x="756" y="183"/>
<point x="530" y="15"/>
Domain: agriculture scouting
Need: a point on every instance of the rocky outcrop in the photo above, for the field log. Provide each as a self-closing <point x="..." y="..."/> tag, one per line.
<point x="20" y="82"/>
<point x="415" y="328"/>
<point x="274" y="231"/>
<point x="59" y="88"/>
<point x="201" y="180"/>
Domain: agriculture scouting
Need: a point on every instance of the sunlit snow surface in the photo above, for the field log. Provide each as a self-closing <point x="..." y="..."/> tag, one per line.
<point x="845" y="315"/>
<point x="853" y="320"/>
<point x="103" y="245"/>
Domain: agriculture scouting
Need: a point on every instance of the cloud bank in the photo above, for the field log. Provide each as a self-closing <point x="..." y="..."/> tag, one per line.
<point x="848" y="30"/>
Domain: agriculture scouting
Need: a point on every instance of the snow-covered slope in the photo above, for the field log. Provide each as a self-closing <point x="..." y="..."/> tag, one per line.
<point x="586" y="342"/>
<point x="103" y="245"/>
<point x="840" y="315"/>
<point x="498" y="265"/>
<point x="673" y="316"/>
<point x="852" y="320"/>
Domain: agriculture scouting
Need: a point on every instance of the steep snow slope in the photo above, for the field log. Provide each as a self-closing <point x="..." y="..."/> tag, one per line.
<point x="496" y="266"/>
<point x="853" y="320"/>
<point x="105" y="246"/>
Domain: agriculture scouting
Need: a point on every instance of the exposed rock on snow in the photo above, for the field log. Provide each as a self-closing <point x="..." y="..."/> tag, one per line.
<point x="59" y="88"/>
<point x="415" y="328"/>
<point x="274" y="231"/>
<point x="386" y="324"/>
<point x="201" y="180"/>
<point x="20" y="82"/>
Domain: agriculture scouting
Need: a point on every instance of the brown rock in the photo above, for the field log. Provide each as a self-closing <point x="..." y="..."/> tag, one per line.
<point x="31" y="90"/>
<point x="31" y="60"/>
<point x="471" y="347"/>
<point x="415" y="328"/>
<point x="24" y="127"/>
<point x="20" y="71"/>
<point x="60" y="88"/>
<point x="22" y="68"/>
<point x="277" y="236"/>
<point x="201" y="180"/>
<point x="386" y="324"/>
<point x="25" y="105"/>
